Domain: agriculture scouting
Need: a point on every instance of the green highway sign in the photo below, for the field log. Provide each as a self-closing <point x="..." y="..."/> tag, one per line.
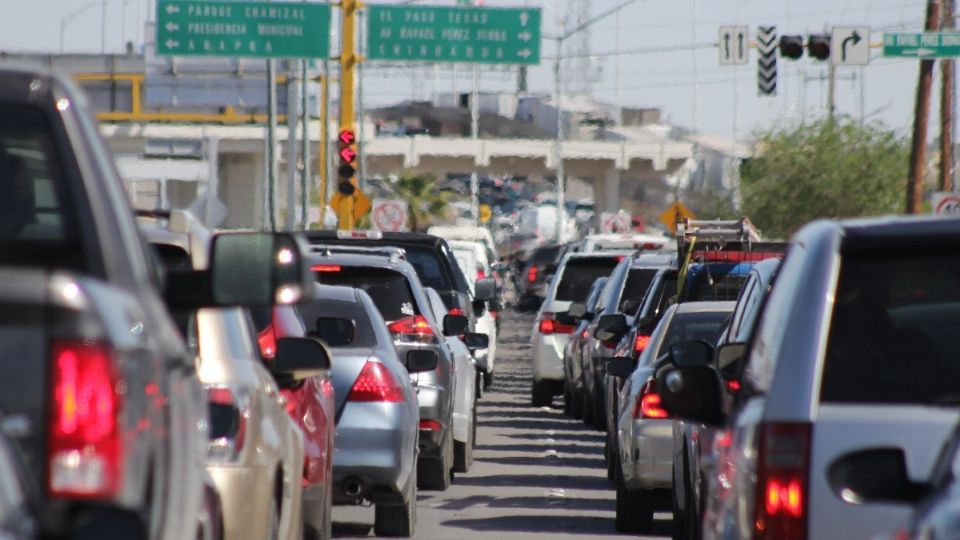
<point x="922" y="45"/>
<point x="232" y="28"/>
<point x="454" y="34"/>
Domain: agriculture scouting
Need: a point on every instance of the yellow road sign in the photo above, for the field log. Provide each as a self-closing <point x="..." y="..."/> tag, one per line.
<point x="674" y="214"/>
<point x="486" y="214"/>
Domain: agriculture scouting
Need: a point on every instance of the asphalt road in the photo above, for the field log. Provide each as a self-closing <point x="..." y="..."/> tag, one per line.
<point x="536" y="474"/>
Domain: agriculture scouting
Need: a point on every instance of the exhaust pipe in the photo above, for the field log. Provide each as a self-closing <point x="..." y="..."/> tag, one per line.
<point x="352" y="486"/>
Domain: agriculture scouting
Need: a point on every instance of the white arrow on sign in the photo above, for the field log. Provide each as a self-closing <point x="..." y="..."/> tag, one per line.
<point x="525" y="36"/>
<point x="171" y="27"/>
<point x="172" y="44"/>
<point x="524" y="53"/>
<point x="171" y="9"/>
<point x="919" y="52"/>
<point x="524" y="17"/>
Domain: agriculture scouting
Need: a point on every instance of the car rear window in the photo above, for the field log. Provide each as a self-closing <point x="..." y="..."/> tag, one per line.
<point x="426" y="261"/>
<point x="545" y="255"/>
<point x="37" y="222"/>
<point x="715" y="282"/>
<point x="580" y="273"/>
<point x="638" y="282"/>
<point x="324" y="319"/>
<point x="389" y="290"/>
<point x="703" y="326"/>
<point x="892" y="337"/>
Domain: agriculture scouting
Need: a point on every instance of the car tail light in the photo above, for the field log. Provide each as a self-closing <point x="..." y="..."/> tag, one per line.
<point x="640" y="343"/>
<point x="360" y="235"/>
<point x="268" y="342"/>
<point x="481" y="274"/>
<point x="84" y="439"/>
<point x="430" y="425"/>
<point x="532" y="274"/>
<point x="548" y="325"/>
<point x="648" y="403"/>
<point x="229" y="414"/>
<point x="781" y="498"/>
<point x="455" y="311"/>
<point x="326" y="268"/>
<point x="412" y="329"/>
<point x="375" y="384"/>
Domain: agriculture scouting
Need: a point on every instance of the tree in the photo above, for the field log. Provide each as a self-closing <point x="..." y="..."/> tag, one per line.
<point x="826" y="169"/>
<point x="424" y="199"/>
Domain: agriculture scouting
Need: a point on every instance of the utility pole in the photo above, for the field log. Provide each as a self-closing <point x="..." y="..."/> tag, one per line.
<point x="271" y="142"/>
<point x="304" y="147"/>
<point x="918" y="150"/>
<point x="348" y="62"/>
<point x="947" y="96"/>
<point x="293" y="103"/>
<point x="475" y="135"/>
<point x="831" y="91"/>
<point x="323" y="161"/>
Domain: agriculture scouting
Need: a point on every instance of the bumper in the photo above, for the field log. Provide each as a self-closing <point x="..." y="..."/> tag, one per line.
<point x="244" y="499"/>
<point x="548" y="356"/>
<point x="375" y="447"/>
<point x="648" y="460"/>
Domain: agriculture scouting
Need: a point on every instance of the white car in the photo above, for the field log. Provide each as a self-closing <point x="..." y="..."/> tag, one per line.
<point x="480" y="235"/>
<point x="472" y="259"/>
<point x="635" y="241"/>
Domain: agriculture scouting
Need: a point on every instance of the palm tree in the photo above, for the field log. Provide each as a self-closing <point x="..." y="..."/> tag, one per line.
<point x="424" y="199"/>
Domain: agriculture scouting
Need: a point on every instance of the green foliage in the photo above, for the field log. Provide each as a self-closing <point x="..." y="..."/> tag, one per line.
<point x="825" y="169"/>
<point x="424" y="199"/>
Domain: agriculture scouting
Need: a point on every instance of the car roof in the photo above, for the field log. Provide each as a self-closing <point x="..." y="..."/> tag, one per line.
<point x="912" y="229"/>
<point x="704" y="307"/>
<point x="352" y="259"/>
<point x="655" y="260"/>
<point x="394" y="238"/>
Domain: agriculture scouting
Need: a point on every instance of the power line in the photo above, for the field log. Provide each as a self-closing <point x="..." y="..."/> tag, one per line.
<point x="640" y="50"/>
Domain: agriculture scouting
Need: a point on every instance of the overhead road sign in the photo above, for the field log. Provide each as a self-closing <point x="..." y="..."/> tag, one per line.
<point x="922" y="45"/>
<point x="767" y="62"/>
<point x="463" y="35"/>
<point x="734" y="45"/>
<point x="850" y="46"/>
<point x="243" y="29"/>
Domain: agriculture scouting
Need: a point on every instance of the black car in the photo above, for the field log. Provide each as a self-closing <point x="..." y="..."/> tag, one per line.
<point x="533" y="280"/>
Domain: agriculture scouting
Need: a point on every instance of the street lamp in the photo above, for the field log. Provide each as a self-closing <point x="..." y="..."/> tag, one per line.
<point x="557" y="77"/>
<point x="69" y="17"/>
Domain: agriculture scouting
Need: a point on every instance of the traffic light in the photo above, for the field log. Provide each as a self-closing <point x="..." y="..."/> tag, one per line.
<point x="348" y="155"/>
<point x="791" y="47"/>
<point x="818" y="46"/>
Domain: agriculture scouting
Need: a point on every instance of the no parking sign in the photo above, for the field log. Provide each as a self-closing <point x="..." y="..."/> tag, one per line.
<point x="946" y="204"/>
<point x="390" y="215"/>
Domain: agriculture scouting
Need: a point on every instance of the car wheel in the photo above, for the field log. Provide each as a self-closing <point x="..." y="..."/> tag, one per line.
<point x="679" y="516"/>
<point x="398" y="519"/>
<point x="487" y="380"/>
<point x="599" y="412"/>
<point x="567" y="400"/>
<point x="634" y="508"/>
<point x="473" y="426"/>
<point x="608" y="457"/>
<point x="576" y="405"/>
<point x="587" y="415"/>
<point x="542" y="393"/>
<point x="463" y="451"/>
<point x="434" y="472"/>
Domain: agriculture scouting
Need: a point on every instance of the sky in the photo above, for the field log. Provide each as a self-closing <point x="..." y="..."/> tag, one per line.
<point x="686" y="83"/>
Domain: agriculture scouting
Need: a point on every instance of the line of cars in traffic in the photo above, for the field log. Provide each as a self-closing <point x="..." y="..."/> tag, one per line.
<point x="165" y="381"/>
<point x="771" y="390"/>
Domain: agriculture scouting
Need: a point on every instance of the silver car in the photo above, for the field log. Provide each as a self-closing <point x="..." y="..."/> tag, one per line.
<point x="253" y="441"/>
<point x="643" y="465"/>
<point x="375" y="452"/>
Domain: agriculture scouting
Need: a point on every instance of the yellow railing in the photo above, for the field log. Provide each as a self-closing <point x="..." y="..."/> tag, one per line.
<point x="137" y="114"/>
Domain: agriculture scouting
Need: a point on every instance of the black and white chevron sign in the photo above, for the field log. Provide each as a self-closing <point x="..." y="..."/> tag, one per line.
<point x="767" y="62"/>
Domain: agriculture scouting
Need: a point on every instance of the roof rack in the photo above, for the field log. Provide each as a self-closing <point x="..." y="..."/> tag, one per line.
<point x="391" y="252"/>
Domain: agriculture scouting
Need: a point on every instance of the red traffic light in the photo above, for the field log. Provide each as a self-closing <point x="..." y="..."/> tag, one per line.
<point x="348" y="155"/>
<point x="347" y="136"/>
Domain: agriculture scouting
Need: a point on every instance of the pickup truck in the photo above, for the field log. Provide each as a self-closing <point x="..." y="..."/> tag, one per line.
<point x="97" y="387"/>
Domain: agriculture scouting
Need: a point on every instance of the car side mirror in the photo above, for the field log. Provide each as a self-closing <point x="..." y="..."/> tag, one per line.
<point x="611" y="327"/>
<point x="301" y="358"/>
<point x="479" y="307"/>
<point x="421" y="360"/>
<point x="630" y="306"/>
<point x="874" y="475"/>
<point x="692" y="393"/>
<point x="730" y="359"/>
<point x="691" y="354"/>
<point x="485" y="289"/>
<point x="475" y="341"/>
<point x="565" y="318"/>
<point x="246" y="269"/>
<point x="620" y="366"/>
<point x="455" y="325"/>
<point x="578" y="310"/>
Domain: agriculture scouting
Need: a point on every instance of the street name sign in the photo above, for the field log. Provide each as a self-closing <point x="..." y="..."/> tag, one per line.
<point x="850" y="46"/>
<point x="922" y="45"/>
<point x="734" y="45"/>
<point x="463" y="35"/>
<point x="243" y="29"/>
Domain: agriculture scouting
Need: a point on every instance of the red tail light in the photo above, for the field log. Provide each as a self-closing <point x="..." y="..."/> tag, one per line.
<point x="532" y="274"/>
<point x="229" y="412"/>
<point x="455" y="311"/>
<point x="414" y="324"/>
<point x="375" y="384"/>
<point x="85" y="449"/>
<point x="327" y="268"/>
<point x="781" y="499"/>
<point x="430" y="425"/>
<point x="548" y="325"/>
<point x="268" y="343"/>
<point x="481" y="274"/>
<point x="640" y="343"/>
<point x="648" y="403"/>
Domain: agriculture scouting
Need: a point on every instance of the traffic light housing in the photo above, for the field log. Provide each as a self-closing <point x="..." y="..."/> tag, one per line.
<point x="791" y="47"/>
<point x="818" y="46"/>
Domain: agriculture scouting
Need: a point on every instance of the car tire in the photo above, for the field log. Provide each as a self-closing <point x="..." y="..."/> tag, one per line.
<point x="587" y="411"/>
<point x="611" y="463"/>
<point x="273" y="522"/>
<point x="463" y="451"/>
<point x="634" y="508"/>
<point x="576" y="405"/>
<point x="398" y="519"/>
<point x="679" y="516"/>
<point x="487" y="380"/>
<point x="567" y="401"/>
<point x="542" y="393"/>
<point x="434" y="472"/>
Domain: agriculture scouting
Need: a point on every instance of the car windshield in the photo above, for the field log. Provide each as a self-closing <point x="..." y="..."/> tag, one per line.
<point x="580" y="273"/>
<point x="389" y="290"/>
<point x="37" y="225"/>
<point x="892" y="333"/>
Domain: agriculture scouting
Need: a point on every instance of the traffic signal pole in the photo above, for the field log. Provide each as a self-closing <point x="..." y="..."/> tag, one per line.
<point x="348" y="63"/>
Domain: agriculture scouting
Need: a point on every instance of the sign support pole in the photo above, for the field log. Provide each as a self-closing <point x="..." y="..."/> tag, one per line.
<point x="558" y="144"/>
<point x="304" y="146"/>
<point x="323" y="161"/>
<point x="475" y="134"/>
<point x="292" y="103"/>
<point x="271" y="142"/>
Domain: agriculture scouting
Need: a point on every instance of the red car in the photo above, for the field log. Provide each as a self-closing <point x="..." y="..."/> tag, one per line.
<point x="311" y="404"/>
